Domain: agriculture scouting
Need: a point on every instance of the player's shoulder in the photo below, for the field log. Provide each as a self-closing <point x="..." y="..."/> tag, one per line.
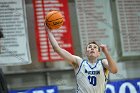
<point x="78" y="59"/>
<point x="103" y="60"/>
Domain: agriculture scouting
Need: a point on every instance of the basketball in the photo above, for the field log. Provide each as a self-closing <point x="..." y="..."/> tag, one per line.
<point x="54" y="20"/>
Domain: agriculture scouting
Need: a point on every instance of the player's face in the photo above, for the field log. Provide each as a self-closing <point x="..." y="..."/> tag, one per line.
<point x="92" y="50"/>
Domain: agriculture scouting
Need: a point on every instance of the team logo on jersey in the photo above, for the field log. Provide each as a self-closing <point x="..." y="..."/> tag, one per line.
<point x="92" y="72"/>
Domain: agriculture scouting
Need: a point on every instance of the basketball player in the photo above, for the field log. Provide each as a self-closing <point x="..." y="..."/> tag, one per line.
<point x="91" y="72"/>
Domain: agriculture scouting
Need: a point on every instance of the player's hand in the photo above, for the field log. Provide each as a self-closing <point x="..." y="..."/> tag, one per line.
<point x="46" y="27"/>
<point x="103" y="48"/>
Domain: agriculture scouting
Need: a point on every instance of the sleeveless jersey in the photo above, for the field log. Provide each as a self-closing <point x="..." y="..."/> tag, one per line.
<point x="91" y="78"/>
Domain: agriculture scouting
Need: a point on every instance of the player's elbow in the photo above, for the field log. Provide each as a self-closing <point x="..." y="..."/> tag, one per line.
<point x="114" y="71"/>
<point x="57" y="49"/>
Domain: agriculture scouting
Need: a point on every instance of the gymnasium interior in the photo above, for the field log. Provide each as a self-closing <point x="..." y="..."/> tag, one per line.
<point x="28" y="63"/>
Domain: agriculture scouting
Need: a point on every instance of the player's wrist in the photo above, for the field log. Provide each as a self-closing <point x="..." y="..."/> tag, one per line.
<point x="106" y="52"/>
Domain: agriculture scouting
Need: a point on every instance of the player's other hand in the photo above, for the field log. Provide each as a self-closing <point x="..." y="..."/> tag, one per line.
<point x="103" y="48"/>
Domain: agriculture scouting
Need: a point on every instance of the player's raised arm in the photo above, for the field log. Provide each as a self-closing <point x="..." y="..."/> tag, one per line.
<point x="63" y="53"/>
<point x="108" y="63"/>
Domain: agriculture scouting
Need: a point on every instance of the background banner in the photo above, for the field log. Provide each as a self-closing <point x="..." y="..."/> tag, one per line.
<point x="122" y="86"/>
<point x="45" y="89"/>
<point x="63" y="35"/>
<point x="14" y="46"/>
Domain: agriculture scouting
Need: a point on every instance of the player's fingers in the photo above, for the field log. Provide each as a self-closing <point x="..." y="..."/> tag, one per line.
<point x="44" y="23"/>
<point x="102" y="45"/>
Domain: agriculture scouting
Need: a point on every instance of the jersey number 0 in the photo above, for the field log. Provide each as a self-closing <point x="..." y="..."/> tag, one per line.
<point x="92" y="80"/>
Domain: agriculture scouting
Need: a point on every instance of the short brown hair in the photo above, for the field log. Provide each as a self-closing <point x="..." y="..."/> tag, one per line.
<point x="94" y="42"/>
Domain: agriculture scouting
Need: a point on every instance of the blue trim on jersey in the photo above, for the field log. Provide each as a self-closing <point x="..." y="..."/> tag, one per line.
<point x="80" y="67"/>
<point x="77" y="86"/>
<point x="94" y="66"/>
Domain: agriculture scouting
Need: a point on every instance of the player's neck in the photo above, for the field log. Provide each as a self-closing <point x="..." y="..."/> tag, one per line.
<point x="92" y="60"/>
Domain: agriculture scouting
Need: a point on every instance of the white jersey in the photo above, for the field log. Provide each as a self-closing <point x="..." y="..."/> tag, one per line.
<point x="90" y="78"/>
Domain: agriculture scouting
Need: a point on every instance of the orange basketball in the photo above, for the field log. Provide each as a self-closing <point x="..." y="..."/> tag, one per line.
<point x="54" y="20"/>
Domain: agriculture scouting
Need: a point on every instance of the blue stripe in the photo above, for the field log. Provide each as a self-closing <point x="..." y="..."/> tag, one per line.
<point x="77" y="86"/>
<point x="80" y="67"/>
<point x="94" y="66"/>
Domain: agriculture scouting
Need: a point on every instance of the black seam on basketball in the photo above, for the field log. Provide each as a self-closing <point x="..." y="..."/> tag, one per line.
<point x="52" y="15"/>
<point x="54" y="25"/>
<point x="55" y="19"/>
<point x="48" y="26"/>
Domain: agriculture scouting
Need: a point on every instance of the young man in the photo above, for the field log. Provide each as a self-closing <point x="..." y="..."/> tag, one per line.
<point x="90" y="72"/>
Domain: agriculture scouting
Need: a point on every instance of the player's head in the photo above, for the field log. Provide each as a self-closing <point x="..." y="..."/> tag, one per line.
<point x="93" y="50"/>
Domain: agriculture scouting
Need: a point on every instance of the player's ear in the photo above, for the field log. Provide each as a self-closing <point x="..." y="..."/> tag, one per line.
<point x="99" y="53"/>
